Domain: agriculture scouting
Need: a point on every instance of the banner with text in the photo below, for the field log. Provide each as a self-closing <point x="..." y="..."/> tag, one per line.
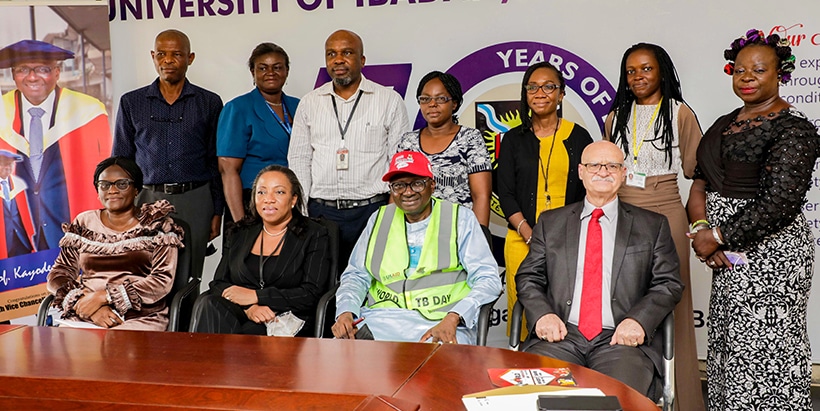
<point x="487" y="44"/>
<point x="55" y="75"/>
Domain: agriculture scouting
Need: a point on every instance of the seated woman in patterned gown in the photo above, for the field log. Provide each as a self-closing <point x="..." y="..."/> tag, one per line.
<point x="116" y="264"/>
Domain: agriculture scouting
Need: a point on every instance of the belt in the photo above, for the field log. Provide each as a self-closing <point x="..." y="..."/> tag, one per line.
<point x="174" y="188"/>
<point x="346" y="204"/>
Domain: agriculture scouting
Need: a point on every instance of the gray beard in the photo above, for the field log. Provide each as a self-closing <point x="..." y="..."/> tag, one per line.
<point x="343" y="81"/>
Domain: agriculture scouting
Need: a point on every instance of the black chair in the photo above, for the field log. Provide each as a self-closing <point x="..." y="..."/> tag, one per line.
<point x="184" y="290"/>
<point x="667" y="329"/>
<point x="323" y="322"/>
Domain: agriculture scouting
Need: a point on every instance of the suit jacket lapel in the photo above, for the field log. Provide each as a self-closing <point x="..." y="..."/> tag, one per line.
<point x="572" y="237"/>
<point x="244" y="244"/>
<point x="622" y="240"/>
<point x="286" y="255"/>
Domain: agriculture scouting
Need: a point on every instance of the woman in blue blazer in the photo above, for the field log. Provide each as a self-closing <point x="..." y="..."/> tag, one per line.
<point x="254" y="128"/>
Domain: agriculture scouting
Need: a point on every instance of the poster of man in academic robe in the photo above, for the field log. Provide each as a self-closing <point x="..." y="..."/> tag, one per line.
<point x="55" y="134"/>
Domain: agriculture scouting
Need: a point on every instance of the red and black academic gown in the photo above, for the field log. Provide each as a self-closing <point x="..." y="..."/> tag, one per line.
<point x="77" y="139"/>
<point x="17" y="221"/>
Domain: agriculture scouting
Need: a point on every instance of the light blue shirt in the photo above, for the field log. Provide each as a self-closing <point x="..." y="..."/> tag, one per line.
<point x="398" y="324"/>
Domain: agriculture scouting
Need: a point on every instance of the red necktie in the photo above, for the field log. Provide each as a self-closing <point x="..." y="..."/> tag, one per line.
<point x="589" y="322"/>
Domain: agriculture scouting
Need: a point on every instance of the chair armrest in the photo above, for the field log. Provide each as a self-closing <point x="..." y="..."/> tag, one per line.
<point x="668" y="330"/>
<point x="483" y="326"/>
<point x="176" y="303"/>
<point x="321" y="311"/>
<point x="515" y="319"/>
<point x="196" y="312"/>
<point x="42" y="311"/>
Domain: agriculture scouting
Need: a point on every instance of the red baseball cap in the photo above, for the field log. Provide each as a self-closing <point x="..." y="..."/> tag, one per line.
<point x="409" y="162"/>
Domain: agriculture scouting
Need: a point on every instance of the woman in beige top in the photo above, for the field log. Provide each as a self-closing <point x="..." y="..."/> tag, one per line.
<point x="116" y="264"/>
<point x="659" y="135"/>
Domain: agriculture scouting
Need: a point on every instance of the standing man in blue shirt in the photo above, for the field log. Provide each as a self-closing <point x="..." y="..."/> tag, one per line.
<point x="169" y="128"/>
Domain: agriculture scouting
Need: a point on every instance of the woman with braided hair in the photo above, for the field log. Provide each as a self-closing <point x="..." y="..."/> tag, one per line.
<point x="753" y="172"/>
<point x="659" y="135"/>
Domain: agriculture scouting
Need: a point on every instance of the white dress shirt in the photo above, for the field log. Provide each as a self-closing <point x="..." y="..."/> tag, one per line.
<point x="371" y="138"/>
<point x="609" y="223"/>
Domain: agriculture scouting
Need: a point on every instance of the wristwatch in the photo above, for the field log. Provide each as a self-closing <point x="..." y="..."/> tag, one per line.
<point x="460" y="318"/>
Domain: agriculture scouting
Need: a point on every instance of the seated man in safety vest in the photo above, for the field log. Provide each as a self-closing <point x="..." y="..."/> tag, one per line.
<point x="422" y="266"/>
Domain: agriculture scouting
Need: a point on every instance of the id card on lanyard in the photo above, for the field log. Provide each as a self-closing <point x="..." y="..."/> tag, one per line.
<point x="285" y="124"/>
<point x="634" y="178"/>
<point x="343" y="154"/>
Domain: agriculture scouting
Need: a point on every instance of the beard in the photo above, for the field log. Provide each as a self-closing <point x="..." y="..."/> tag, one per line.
<point x="343" y="81"/>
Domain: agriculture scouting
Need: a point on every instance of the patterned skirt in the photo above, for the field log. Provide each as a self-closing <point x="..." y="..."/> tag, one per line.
<point x="759" y="356"/>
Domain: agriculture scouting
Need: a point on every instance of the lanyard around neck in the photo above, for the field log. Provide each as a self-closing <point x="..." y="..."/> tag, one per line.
<point x="286" y="123"/>
<point x="263" y="259"/>
<point x="636" y="147"/>
<point x="546" y="172"/>
<point x="343" y="131"/>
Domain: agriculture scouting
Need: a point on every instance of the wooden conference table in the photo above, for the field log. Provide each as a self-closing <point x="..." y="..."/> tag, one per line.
<point x="66" y="368"/>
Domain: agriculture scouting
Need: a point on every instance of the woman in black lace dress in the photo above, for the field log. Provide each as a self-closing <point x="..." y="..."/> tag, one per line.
<point x="754" y="168"/>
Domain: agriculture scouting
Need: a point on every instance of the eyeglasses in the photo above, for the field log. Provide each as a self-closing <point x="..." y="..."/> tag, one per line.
<point x="121" y="184"/>
<point x="548" y="88"/>
<point x="596" y="167"/>
<point x="400" y="187"/>
<point x="437" y="99"/>
<point x="42" y="71"/>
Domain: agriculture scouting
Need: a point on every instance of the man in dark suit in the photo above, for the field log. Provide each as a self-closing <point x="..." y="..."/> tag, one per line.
<point x="600" y="277"/>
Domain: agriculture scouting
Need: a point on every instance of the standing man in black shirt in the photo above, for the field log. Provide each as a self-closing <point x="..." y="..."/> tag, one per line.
<point x="169" y="128"/>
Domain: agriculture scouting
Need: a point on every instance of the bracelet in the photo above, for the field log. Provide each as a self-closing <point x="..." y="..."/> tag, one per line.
<point x="697" y="228"/>
<point x="697" y="224"/>
<point x="518" y="229"/>
<point x="528" y="241"/>
<point x="717" y="236"/>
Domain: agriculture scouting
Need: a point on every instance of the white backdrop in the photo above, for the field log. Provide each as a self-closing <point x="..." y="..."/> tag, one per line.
<point x="438" y="34"/>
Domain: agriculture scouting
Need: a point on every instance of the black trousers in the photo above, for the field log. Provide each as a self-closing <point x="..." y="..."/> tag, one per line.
<point x="626" y="364"/>
<point x="220" y="316"/>
<point x="351" y="223"/>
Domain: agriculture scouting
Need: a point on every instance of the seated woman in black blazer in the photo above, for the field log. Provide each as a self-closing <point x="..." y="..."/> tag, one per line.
<point x="273" y="261"/>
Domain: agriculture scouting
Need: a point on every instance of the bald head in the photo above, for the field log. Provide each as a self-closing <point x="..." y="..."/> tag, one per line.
<point x="348" y="36"/>
<point x="344" y="59"/>
<point x="175" y="35"/>
<point x="602" y="184"/>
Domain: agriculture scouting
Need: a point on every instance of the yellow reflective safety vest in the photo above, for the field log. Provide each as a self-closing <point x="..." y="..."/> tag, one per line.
<point x="438" y="282"/>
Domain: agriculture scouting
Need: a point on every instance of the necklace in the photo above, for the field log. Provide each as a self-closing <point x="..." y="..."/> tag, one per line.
<point x="736" y="125"/>
<point x="263" y="259"/>
<point x="546" y="172"/>
<point x="274" y="104"/>
<point x="275" y="234"/>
